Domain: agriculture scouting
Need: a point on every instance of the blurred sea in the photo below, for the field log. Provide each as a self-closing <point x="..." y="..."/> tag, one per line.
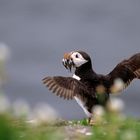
<point x="39" y="32"/>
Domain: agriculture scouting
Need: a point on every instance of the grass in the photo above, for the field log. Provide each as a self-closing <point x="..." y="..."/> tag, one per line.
<point x="19" y="122"/>
<point x="111" y="128"/>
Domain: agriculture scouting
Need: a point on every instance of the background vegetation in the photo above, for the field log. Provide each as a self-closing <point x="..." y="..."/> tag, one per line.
<point x="18" y="123"/>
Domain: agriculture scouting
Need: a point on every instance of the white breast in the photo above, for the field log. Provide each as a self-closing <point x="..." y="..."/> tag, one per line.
<point x="82" y="106"/>
<point x="76" y="77"/>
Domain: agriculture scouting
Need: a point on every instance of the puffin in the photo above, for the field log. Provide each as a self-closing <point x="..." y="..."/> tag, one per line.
<point x="86" y="86"/>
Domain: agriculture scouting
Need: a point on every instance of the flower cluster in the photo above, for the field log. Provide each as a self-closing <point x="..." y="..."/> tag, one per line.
<point x="42" y="113"/>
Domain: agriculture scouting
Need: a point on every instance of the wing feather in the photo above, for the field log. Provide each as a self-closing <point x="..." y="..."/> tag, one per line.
<point x="126" y="71"/>
<point x="66" y="87"/>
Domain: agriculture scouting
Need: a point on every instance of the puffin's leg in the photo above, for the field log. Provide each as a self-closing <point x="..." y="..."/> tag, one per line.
<point x="89" y="119"/>
<point x="92" y="122"/>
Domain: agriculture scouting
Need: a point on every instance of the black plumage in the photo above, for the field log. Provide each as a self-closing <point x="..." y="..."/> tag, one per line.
<point x="86" y="85"/>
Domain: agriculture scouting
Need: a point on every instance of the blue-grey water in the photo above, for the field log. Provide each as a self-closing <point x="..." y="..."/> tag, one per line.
<point x="38" y="33"/>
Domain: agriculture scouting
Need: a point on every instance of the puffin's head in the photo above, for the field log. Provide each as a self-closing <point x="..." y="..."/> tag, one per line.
<point x="75" y="59"/>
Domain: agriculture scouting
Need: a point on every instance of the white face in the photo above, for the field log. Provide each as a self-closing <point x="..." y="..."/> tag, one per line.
<point x="78" y="59"/>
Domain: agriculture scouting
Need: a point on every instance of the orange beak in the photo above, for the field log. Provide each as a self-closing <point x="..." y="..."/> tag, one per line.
<point x="67" y="61"/>
<point x="67" y="55"/>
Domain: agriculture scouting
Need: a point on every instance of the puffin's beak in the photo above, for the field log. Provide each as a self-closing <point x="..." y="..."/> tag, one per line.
<point x="67" y="55"/>
<point x="67" y="61"/>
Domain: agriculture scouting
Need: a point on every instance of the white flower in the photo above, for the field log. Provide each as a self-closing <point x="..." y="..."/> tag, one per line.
<point x="129" y="135"/>
<point x="98" y="114"/>
<point x="89" y="133"/>
<point x="21" y="108"/>
<point x="44" y="113"/>
<point x="4" y="52"/>
<point x="98" y="110"/>
<point x="117" y="86"/>
<point x="115" y="105"/>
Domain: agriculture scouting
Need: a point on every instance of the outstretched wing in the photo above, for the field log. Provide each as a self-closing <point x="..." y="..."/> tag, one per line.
<point x="66" y="87"/>
<point x="124" y="73"/>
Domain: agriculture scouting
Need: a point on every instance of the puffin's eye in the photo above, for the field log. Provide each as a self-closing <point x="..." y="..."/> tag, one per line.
<point x="76" y="56"/>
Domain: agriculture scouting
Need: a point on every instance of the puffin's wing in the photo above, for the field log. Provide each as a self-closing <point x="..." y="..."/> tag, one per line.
<point x="66" y="87"/>
<point x="124" y="73"/>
